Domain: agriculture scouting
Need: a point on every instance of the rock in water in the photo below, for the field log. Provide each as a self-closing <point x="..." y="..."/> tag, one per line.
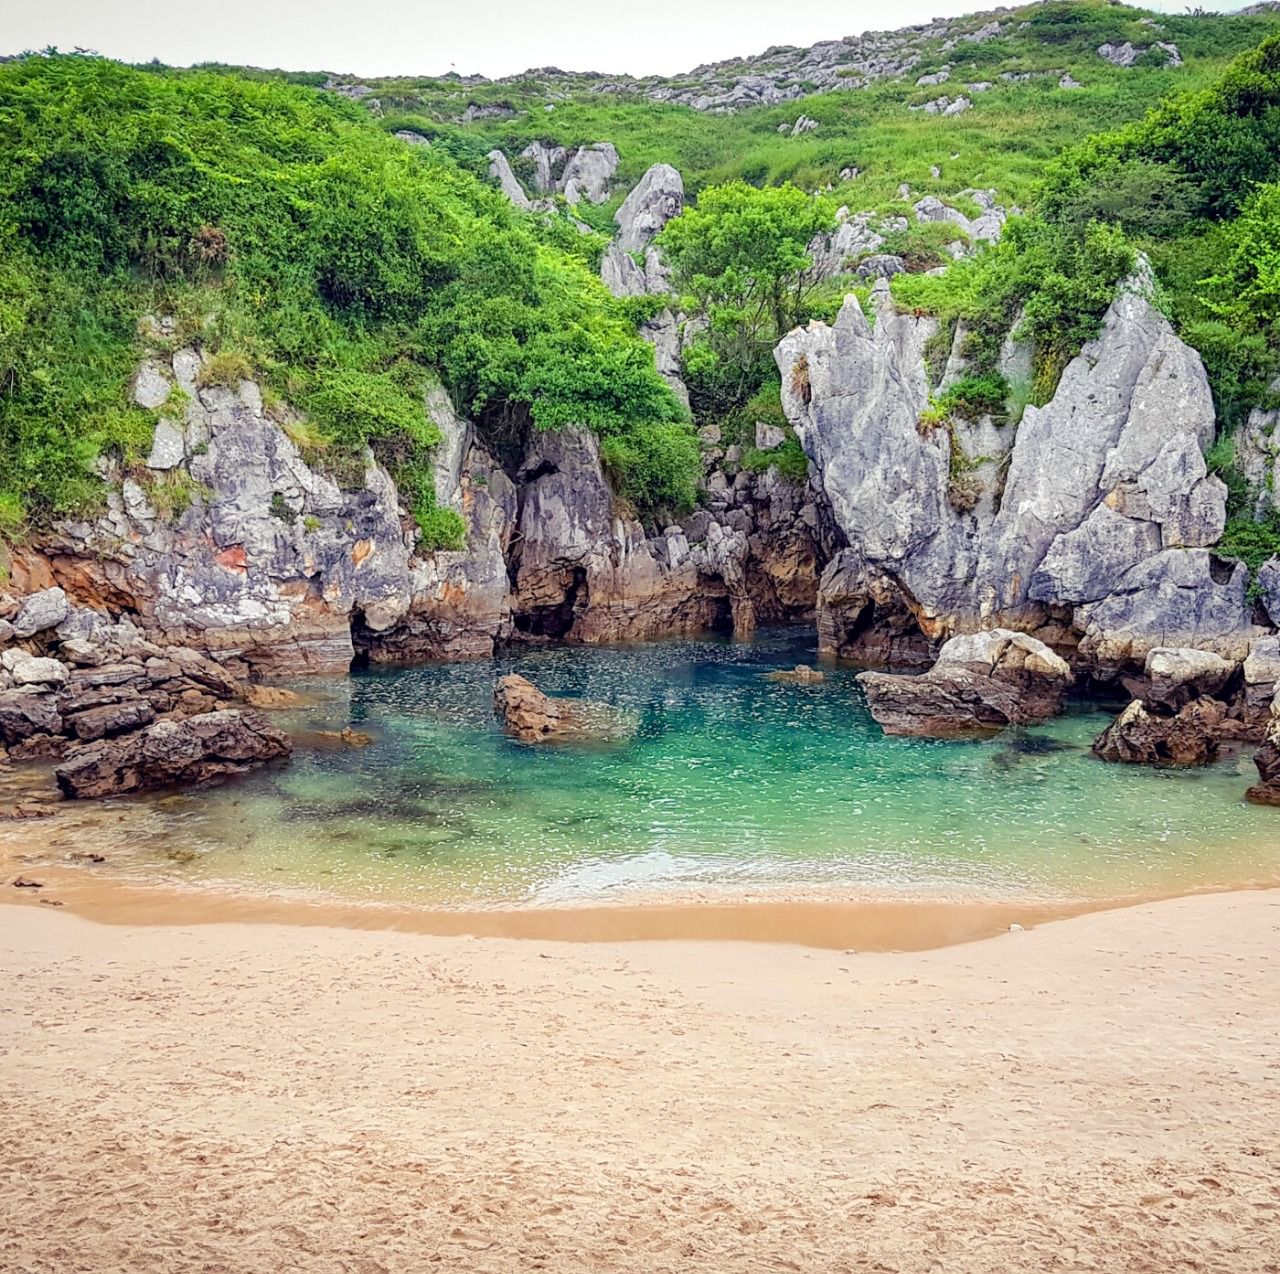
<point x="1267" y="759"/>
<point x="1143" y="735"/>
<point x="981" y="683"/>
<point x="800" y="675"/>
<point x="530" y="716"/>
<point x="195" y="749"/>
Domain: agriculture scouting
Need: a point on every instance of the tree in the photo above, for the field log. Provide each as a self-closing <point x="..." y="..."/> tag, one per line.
<point x="742" y="255"/>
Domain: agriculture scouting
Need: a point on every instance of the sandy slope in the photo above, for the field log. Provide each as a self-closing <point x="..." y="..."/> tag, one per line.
<point x="1102" y="1093"/>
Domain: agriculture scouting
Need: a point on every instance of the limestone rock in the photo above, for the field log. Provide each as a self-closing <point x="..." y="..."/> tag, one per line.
<point x="25" y="713"/>
<point x="655" y="199"/>
<point x="800" y="675"/>
<point x="168" y="448"/>
<point x="1269" y="586"/>
<point x="588" y="173"/>
<point x="26" y="669"/>
<point x="1143" y="736"/>
<point x="981" y="682"/>
<point x="1267" y="790"/>
<point x="40" y="611"/>
<point x="1175" y="677"/>
<point x="500" y="171"/>
<point x="197" y="749"/>
<point x="531" y="717"/>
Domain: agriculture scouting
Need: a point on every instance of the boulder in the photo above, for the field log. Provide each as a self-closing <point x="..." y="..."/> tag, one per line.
<point x="588" y="173"/>
<point x="1174" y="677"/>
<point x="25" y="713"/>
<point x="111" y="719"/>
<point x="500" y="171"/>
<point x="980" y="683"/>
<point x="39" y="612"/>
<point x="32" y="670"/>
<point x="1146" y="736"/>
<point x="531" y="717"/>
<point x="1262" y="675"/>
<point x="196" y="749"/>
<point x="769" y="436"/>
<point x="1269" y="588"/>
<point x="1267" y="790"/>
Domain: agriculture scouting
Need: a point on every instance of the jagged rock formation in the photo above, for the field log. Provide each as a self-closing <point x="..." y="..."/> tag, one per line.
<point x="199" y="749"/>
<point x="585" y="173"/>
<point x="532" y="717"/>
<point x="980" y="683"/>
<point x="1099" y="535"/>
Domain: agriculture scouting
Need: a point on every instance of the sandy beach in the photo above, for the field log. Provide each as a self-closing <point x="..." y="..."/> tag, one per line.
<point x="1099" y="1093"/>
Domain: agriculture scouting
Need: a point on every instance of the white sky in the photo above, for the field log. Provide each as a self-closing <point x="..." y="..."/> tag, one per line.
<point x="431" y="37"/>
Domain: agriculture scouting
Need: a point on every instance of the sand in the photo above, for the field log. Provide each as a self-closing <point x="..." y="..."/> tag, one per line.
<point x="1100" y="1093"/>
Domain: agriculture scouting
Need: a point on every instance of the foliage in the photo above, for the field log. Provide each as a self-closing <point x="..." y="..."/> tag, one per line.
<point x="1253" y="543"/>
<point x="284" y="230"/>
<point x="788" y="459"/>
<point x="741" y="255"/>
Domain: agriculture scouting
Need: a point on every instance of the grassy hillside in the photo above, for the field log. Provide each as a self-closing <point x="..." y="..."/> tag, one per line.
<point x="1003" y="141"/>
<point x="295" y="240"/>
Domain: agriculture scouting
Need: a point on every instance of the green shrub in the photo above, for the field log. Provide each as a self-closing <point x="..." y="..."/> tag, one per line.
<point x="440" y="529"/>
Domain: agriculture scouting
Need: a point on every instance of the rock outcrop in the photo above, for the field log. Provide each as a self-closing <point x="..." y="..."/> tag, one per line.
<point x="1142" y="736"/>
<point x="980" y="683"/>
<point x="1099" y="533"/>
<point x="532" y="717"/>
<point x="186" y="751"/>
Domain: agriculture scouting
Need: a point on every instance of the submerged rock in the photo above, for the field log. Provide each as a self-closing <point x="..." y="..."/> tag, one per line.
<point x="196" y="749"/>
<point x="981" y="682"/>
<point x="800" y="675"/>
<point x="532" y="717"/>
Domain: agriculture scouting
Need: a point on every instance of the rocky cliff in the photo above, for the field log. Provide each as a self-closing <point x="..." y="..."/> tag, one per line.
<point x="1090" y="524"/>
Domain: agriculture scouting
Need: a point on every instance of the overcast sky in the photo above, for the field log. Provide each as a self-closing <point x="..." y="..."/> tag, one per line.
<point x="431" y="37"/>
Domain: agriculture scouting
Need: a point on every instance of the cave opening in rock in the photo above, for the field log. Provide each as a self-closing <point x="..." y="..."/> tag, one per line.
<point x="555" y="619"/>
<point x="362" y="639"/>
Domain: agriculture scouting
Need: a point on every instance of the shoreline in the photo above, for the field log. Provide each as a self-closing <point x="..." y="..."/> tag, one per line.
<point x="818" y="919"/>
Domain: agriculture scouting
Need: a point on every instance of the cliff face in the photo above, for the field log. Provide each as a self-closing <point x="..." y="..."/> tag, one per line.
<point x="1090" y="524"/>
<point x="1098" y="534"/>
<point x="275" y="563"/>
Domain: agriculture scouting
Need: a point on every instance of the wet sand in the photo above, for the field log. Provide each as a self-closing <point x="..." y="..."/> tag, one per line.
<point x="1100" y="1093"/>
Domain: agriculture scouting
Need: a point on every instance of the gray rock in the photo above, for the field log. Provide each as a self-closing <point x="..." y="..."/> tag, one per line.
<point x="111" y="719"/>
<point x="168" y="448"/>
<point x="769" y="436"/>
<point x="1177" y="676"/>
<point x="1262" y="675"/>
<point x="150" y="387"/>
<point x="40" y="612"/>
<point x="588" y="173"/>
<point x="881" y="266"/>
<point x="500" y="171"/>
<point x="1178" y="597"/>
<point x="656" y="198"/>
<point x="32" y="670"/>
<point x="27" y="713"/>
<point x="1269" y="588"/>
<point x="198" y="749"/>
<point x="981" y="682"/>
<point x="548" y="163"/>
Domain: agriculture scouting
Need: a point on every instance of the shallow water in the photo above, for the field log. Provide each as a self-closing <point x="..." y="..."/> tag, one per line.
<point x="732" y="783"/>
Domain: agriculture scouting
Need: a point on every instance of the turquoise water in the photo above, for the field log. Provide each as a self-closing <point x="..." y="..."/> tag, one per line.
<point x="733" y="782"/>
